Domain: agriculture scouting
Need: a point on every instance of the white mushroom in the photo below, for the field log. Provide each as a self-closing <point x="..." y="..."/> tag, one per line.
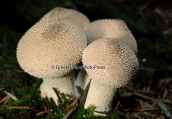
<point x="111" y="64"/>
<point x="110" y="28"/>
<point x="46" y="48"/>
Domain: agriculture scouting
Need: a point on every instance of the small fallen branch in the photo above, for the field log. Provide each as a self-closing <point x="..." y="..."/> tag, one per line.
<point x="3" y="99"/>
<point x="73" y="109"/>
<point x="71" y="106"/>
<point x="41" y="113"/>
<point x="19" y="107"/>
<point x="164" y="108"/>
<point x="48" y="112"/>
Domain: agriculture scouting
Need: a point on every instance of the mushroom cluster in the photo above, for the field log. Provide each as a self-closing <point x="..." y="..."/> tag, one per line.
<point x="60" y="39"/>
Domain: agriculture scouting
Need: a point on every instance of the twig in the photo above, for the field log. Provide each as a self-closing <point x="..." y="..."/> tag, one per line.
<point x="116" y="108"/>
<point x="148" y="105"/>
<point x="164" y="108"/>
<point x="41" y="113"/>
<point x="165" y="94"/>
<point x="140" y="91"/>
<point x="48" y="112"/>
<point x="8" y="98"/>
<point x="18" y="107"/>
<point x="144" y="96"/>
<point x="3" y="99"/>
<point x="73" y="109"/>
<point x="72" y="105"/>
<point x="147" y="109"/>
<point x="141" y="104"/>
<point x="167" y="101"/>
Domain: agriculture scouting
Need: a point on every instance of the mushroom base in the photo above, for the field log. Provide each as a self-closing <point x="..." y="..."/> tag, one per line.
<point x="101" y="96"/>
<point x="65" y="84"/>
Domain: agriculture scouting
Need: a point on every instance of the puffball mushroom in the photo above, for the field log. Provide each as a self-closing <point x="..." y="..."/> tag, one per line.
<point x="47" y="48"/>
<point x="110" y="28"/>
<point x="111" y="64"/>
<point x="74" y="16"/>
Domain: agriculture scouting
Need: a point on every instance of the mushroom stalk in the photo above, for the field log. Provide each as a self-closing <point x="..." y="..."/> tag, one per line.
<point x="101" y="96"/>
<point x="65" y="84"/>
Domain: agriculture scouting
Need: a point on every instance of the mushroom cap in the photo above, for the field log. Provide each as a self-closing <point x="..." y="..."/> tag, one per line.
<point x="49" y="44"/>
<point x="68" y="14"/>
<point x="112" y="62"/>
<point x="110" y="28"/>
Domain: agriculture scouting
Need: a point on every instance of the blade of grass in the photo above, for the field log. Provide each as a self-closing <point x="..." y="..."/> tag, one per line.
<point x="10" y="95"/>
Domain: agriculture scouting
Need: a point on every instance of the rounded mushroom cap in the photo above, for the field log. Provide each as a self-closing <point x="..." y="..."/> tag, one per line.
<point x="112" y="62"/>
<point x="68" y="14"/>
<point x="110" y="28"/>
<point x="49" y="44"/>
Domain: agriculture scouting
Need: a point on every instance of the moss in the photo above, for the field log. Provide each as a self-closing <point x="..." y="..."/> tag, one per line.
<point x="88" y="113"/>
<point x="115" y="115"/>
<point x="82" y="113"/>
